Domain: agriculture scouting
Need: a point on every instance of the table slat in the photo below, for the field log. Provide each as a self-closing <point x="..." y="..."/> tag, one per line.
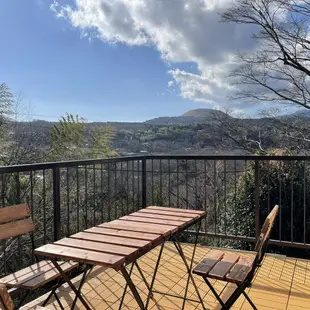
<point x="124" y="234"/>
<point x="168" y="213"/>
<point x="187" y="211"/>
<point x="161" y="217"/>
<point x="152" y="221"/>
<point x="90" y="257"/>
<point x="97" y="246"/>
<point x="164" y="230"/>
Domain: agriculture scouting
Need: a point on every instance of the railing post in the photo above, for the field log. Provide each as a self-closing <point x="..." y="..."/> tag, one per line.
<point x="143" y="182"/>
<point x="257" y="207"/>
<point x="56" y="202"/>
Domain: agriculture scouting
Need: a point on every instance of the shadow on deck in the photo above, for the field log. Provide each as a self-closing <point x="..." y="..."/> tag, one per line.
<point x="281" y="283"/>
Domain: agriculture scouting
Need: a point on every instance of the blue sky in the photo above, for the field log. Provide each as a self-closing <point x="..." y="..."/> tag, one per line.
<point x="57" y="71"/>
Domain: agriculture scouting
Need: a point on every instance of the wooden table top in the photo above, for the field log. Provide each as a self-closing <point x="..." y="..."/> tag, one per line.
<point x="121" y="241"/>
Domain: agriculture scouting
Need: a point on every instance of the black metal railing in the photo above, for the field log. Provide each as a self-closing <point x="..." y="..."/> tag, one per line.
<point x="236" y="191"/>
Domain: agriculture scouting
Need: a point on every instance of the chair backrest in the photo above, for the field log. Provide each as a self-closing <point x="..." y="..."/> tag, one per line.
<point x="262" y="242"/>
<point x="264" y="236"/>
<point x="6" y="302"/>
<point x="15" y="221"/>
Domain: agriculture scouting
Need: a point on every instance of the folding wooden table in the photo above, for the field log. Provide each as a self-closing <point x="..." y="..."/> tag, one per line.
<point x="122" y="242"/>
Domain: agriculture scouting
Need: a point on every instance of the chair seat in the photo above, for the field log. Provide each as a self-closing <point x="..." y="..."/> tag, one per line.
<point x="36" y="275"/>
<point x="229" y="267"/>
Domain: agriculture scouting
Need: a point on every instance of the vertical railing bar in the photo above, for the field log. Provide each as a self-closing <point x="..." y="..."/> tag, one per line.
<point x="186" y="182"/>
<point x="94" y="194"/>
<point x="115" y="195"/>
<point x="304" y="202"/>
<point x="280" y="202"/>
<point x="196" y="185"/>
<point x="133" y="184"/>
<point x="169" y="183"/>
<point x="109" y="193"/>
<point x="17" y="182"/>
<point x="86" y="195"/>
<point x="68" y="203"/>
<point x="3" y="205"/>
<point x="56" y="202"/>
<point x="127" y="187"/>
<point x="205" y="193"/>
<point x="138" y="194"/>
<point x="32" y="215"/>
<point x="2" y="191"/>
<point x="268" y="189"/>
<point x="257" y="206"/>
<point x="247" y="198"/>
<point x="152" y="181"/>
<point x="160" y="182"/>
<point x="292" y="203"/>
<point x="122" y="187"/>
<point x="225" y="197"/>
<point x="235" y="184"/>
<point x="178" y="185"/>
<point x="144" y="183"/>
<point x="78" y="198"/>
<point x="101" y="190"/>
<point x="215" y="195"/>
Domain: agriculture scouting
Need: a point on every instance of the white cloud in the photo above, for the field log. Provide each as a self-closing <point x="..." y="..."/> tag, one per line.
<point x="181" y="30"/>
<point x="170" y="83"/>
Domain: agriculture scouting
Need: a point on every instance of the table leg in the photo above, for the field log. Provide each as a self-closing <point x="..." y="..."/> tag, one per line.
<point x="66" y="278"/>
<point x="154" y="275"/>
<point x="189" y="267"/>
<point x="125" y="289"/>
<point x="84" y="277"/>
<point x="143" y="277"/>
<point x="132" y="287"/>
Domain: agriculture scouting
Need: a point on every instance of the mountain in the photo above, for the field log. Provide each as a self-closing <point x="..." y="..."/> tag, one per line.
<point x="191" y="117"/>
<point x="205" y="113"/>
<point x="302" y="113"/>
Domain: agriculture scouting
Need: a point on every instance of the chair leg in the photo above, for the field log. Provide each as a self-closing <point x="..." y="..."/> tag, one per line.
<point x="217" y="296"/>
<point x="234" y="296"/>
<point x="58" y="301"/>
<point x="249" y="300"/>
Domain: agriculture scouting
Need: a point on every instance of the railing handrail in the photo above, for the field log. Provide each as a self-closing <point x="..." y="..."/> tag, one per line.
<point x="84" y="162"/>
<point x="228" y="157"/>
<point x="65" y="164"/>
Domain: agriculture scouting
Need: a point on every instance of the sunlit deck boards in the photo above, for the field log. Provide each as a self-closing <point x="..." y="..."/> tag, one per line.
<point x="282" y="283"/>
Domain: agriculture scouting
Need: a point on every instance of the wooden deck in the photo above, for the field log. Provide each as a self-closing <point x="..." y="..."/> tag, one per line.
<point x="281" y="283"/>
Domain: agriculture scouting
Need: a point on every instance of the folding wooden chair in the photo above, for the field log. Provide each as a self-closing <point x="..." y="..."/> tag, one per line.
<point x="16" y="221"/>
<point x="236" y="268"/>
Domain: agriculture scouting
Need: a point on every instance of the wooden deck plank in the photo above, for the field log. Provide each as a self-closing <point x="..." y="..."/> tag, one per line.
<point x="123" y="233"/>
<point x="158" y="216"/>
<point x="240" y="270"/>
<point x="98" y="246"/>
<point x="187" y="211"/>
<point x="222" y="267"/>
<point x="103" y="290"/>
<point x="90" y="257"/>
<point x="152" y="221"/>
<point x="164" y="230"/>
<point x="47" y="276"/>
